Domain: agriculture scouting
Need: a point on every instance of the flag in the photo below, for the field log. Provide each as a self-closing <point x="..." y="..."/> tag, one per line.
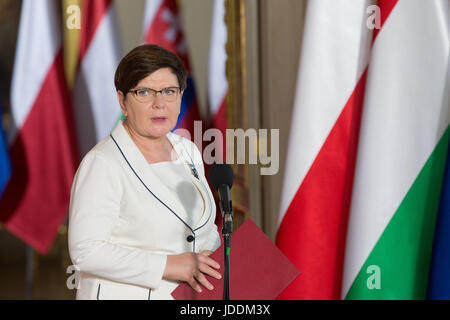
<point x="218" y="87"/>
<point x="439" y="281"/>
<point x="5" y="164"/>
<point x="322" y="146"/>
<point x="42" y="146"/>
<point x="163" y="26"/>
<point x="401" y="154"/>
<point x="217" y="78"/>
<point x="96" y="106"/>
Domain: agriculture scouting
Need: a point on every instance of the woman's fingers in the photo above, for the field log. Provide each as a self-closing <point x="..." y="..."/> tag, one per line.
<point x="192" y="268"/>
<point x="206" y="266"/>
<point x="195" y="285"/>
<point x="202" y="279"/>
<point x="206" y="269"/>
<point x="208" y="261"/>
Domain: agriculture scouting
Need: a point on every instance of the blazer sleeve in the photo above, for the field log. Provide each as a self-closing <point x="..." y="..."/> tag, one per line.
<point x="93" y="214"/>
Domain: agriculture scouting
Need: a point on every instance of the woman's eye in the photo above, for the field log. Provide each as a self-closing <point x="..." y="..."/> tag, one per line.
<point x="169" y="92"/>
<point x="143" y="93"/>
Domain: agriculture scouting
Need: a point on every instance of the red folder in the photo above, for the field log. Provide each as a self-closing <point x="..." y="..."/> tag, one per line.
<point x="258" y="269"/>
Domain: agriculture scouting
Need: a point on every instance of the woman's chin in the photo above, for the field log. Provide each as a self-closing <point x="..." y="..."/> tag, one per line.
<point x="159" y="132"/>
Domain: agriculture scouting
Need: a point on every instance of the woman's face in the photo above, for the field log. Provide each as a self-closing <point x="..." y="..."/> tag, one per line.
<point x="157" y="116"/>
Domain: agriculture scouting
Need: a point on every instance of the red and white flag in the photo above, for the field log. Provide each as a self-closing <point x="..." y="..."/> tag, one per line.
<point x="96" y="106"/>
<point x="163" y="26"/>
<point x="217" y="78"/>
<point x="322" y="146"/>
<point x="42" y="147"/>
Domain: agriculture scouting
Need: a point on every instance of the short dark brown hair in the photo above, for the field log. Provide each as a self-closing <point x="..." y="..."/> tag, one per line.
<point x="143" y="61"/>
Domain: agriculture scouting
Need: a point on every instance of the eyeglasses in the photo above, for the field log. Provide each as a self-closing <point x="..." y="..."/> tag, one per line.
<point x="169" y="94"/>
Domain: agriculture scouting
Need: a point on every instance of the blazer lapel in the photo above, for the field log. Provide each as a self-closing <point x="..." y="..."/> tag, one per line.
<point x="200" y="182"/>
<point x="142" y="168"/>
<point x="208" y="199"/>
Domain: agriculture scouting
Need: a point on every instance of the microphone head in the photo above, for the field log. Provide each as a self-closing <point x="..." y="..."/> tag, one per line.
<point x="219" y="174"/>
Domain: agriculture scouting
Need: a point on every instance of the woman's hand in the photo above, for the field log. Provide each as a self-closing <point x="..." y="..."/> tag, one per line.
<point x="191" y="268"/>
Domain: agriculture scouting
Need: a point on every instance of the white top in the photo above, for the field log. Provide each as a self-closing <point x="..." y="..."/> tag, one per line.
<point x="176" y="177"/>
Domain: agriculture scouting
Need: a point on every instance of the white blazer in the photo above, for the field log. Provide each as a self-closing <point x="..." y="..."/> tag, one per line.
<point x="123" y="221"/>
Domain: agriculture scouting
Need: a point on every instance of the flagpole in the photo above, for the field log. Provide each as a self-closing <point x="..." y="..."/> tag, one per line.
<point x="29" y="272"/>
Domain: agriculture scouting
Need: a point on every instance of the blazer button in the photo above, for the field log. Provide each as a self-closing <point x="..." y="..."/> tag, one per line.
<point x="190" y="238"/>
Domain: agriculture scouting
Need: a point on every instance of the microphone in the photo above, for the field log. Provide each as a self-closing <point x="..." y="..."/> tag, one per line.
<point x="221" y="178"/>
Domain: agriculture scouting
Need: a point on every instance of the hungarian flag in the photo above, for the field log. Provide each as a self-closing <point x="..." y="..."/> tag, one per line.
<point x="163" y="26"/>
<point x="42" y="146"/>
<point x="217" y="78"/>
<point x="401" y="155"/>
<point x="322" y="146"/>
<point x="99" y="51"/>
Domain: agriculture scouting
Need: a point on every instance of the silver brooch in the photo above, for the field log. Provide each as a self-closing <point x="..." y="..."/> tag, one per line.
<point x="193" y="170"/>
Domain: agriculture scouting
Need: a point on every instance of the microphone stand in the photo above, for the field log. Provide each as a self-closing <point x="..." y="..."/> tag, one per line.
<point x="227" y="229"/>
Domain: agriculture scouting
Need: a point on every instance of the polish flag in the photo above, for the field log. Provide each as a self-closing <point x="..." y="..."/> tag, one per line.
<point x="96" y="107"/>
<point x="42" y="146"/>
<point x="217" y="79"/>
<point x="163" y="26"/>
<point x="322" y="146"/>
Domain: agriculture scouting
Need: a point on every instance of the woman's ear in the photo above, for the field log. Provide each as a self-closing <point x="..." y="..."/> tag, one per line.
<point x="121" y="98"/>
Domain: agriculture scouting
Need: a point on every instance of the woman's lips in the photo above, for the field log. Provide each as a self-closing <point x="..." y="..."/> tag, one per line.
<point x="159" y="119"/>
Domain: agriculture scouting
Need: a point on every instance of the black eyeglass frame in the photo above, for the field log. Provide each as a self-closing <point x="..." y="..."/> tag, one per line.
<point x="135" y="91"/>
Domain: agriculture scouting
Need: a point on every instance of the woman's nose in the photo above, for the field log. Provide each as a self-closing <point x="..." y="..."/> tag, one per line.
<point x="158" y="101"/>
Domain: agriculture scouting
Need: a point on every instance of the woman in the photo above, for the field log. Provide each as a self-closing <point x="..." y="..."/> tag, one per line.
<point x="141" y="212"/>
